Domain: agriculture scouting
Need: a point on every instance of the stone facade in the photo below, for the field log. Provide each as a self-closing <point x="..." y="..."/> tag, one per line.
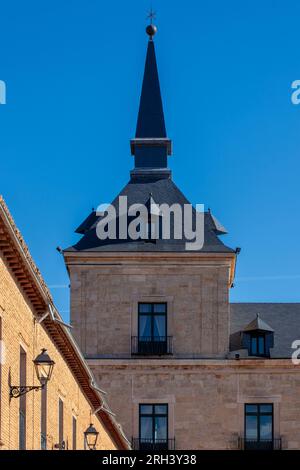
<point x="206" y="398"/>
<point x="106" y="289"/>
<point x="205" y="390"/>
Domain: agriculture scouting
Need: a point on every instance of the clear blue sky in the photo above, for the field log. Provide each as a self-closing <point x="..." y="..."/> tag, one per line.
<point x="73" y="71"/>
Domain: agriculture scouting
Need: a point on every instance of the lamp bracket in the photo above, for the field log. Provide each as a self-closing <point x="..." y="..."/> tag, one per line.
<point x="18" y="390"/>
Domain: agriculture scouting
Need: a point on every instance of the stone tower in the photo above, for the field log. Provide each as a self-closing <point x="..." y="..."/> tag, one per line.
<point x="147" y="312"/>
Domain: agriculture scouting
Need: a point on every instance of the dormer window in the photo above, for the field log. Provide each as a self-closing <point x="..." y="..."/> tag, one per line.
<point x="258" y="344"/>
<point x="258" y="338"/>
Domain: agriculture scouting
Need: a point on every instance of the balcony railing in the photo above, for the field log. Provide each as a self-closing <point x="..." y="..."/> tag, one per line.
<point x="152" y="346"/>
<point x="149" y="445"/>
<point x="262" y="444"/>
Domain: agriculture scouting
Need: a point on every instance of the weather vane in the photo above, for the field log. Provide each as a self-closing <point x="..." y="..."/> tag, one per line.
<point x="152" y="15"/>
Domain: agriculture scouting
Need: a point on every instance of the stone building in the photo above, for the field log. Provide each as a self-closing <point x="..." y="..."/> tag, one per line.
<point x="63" y="404"/>
<point x="155" y="323"/>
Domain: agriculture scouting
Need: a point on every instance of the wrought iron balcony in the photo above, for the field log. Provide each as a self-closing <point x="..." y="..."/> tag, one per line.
<point x="149" y="445"/>
<point x="262" y="444"/>
<point x="152" y="346"/>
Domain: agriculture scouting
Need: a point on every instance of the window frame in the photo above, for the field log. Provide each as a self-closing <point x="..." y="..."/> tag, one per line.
<point x="257" y="335"/>
<point x="258" y="414"/>
<point x="74" y="432"/>
<point x="60" y="423"/>
<point x="152" y="314"/>
<point x="154" y="415"/>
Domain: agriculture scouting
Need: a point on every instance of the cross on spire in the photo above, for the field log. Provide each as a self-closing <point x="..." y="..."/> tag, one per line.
<point x="151" y="16"/>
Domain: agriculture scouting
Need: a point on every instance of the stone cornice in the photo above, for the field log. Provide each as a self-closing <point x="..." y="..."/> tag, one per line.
<point x="100" y="256"/>
<point x="221" y="365"/>
<point x="192" y="259"/>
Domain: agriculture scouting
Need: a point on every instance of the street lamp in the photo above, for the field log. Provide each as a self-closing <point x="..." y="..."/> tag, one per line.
<point x="43" y="365"/>
<point x="91" y="436"/>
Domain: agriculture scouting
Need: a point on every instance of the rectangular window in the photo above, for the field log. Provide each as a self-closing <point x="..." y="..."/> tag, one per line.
<point x="74" y="432"/>
<point x="44" y="417"/>
<point x="152" y="328"/>
<point x="258" y="345"/>
<point x="61" y="423"/>
<point x="259" y="426"/>
<point x="153" y="427"/>
<point x="22" y="403"/>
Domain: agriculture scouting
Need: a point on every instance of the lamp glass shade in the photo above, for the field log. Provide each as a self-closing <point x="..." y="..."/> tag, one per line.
<point x="43" y="367"/>
<point x="91" y="436"/>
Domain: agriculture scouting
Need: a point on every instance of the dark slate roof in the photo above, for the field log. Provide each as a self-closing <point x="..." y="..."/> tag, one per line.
<point x="219" y="228"/>
<point x="138" y="191"/>
<point x="87" y="223"/>
<point x="283" y="318"/>
<point x="257" y="324"/>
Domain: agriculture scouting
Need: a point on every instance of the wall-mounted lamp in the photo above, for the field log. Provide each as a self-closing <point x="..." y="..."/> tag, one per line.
<point x="91" y="436"/>
<point x="43" y="367"/>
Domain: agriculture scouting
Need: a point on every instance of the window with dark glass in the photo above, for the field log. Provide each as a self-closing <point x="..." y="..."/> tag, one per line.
<point x="22" y="404"/>
<point x="61" y="423"/>
<point x="74" y="432"/>
<point x="152" y="328"/>
<point x="153" y="426"/>
<point x="259" y="426"/>
<point x="258" y="344"/>
<point x="44" y="417"/>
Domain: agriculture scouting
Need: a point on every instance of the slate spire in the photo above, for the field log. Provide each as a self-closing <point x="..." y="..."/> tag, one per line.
<point x="151" y="145"/>
<point x="151" y="121"/>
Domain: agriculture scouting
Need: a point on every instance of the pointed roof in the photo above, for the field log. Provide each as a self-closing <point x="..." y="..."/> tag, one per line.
<point x="151" y="144"/>
<point x="151" y="121"/>
<point x="150" y="181"/>
<point x="143" y="191"/>
<point x="258" y="324"/>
